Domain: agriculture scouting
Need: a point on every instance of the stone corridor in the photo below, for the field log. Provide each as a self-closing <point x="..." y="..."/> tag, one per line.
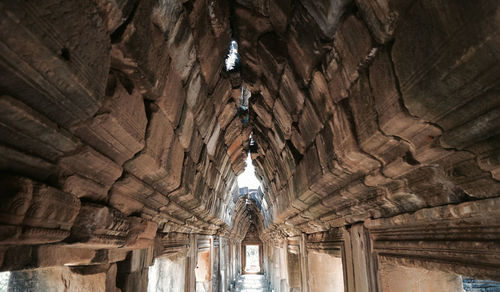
<point x="373" y="127"/>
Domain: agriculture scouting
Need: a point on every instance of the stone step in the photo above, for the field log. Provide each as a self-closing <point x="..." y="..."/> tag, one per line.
<point x="252" y="283"/>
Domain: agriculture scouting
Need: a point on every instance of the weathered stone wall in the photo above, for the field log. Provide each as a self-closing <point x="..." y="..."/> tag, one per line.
<point x="325" y="273"/>
<point x="397" y="278"/>
<point x="371" y="124"/>
<point x="167" y="275"/>
<point x="59" y="279"/>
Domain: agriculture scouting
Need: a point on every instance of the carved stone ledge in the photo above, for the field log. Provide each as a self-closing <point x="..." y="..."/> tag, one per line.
<point x="173" y="244"/>
<point x="33" y="213"/>
<point x="464" y="238"/>
<point x="328" y="242"/>
<point x="98" y="226"/>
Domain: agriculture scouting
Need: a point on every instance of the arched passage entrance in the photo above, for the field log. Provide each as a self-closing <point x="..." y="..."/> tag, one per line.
<point x="251" y="251"/>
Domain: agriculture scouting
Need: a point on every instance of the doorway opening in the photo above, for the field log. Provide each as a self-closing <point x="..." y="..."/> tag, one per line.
<point x="252" y="259"/>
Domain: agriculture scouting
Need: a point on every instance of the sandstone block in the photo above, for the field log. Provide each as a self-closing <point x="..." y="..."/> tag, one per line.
<point x="280" y="10"/>
<point x="283" y="118"/>
<point x="114" y="12"/>
<point x="90" y="164"/>
<point x="148" y="164"/>
<point x="196" y="146"/>
<point x="18" y="162"/>
<point x="210" y="24"/>
<point x="227" y="115"/>
<point x="118" y="129"/>
<point x="353" y="42"/>
<point x="98" y="226"/>
<point x="85" y="188"/>
<point x="346" y="147"/>
<point x="489" y="158"/>
<point x="165" y="15"/>
<point x="213" y="141"/>
<point x="264" y="117"/>
<point x="44" y="45"/>
<point x="172" y="100"/>
<point x="309" y="123"/>
<point x="304" y="43"/>
<point x="128" y="194"/>
<point x="185" y="129"/>
<point x="221" y="94"/>
<point x="473" y="131"/>
<point x="371" y="140"/>
<point x="326" y="14"/>
<point x="205" y="121"/>
<point x="21" y="127"/>
<point x="173" y="169"/>
<point x="276" y="138"/>
<point x="431" y="184"/>
<point x="291" y="95"/>
<point x="380" y="18"/>
<point x="146" y="66"/>
<point x="337" y="82"/>
<point x="271" y="51"/>
<point x="142" y="233"/>
<point x="433" y="68"/>
<point x="320" y="96"/>
<point x="181" y="47"/>
<point x="392" y="118"/>
<point x="196" y="92"/>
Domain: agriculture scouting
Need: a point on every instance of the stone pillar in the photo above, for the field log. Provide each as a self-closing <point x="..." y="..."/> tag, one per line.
<point x="276" y="267"/>
<point x="215" y="264"/>
<point x="293" y="255"/>
<point x="231" y="258"/>
<point x="284" y="265"/>
<point x="132" y="273"/>
<point x="303" y="263"/>
<point x="222" y="264"/>
<point x="360" y="266"/>
<point x="190" y="283"/>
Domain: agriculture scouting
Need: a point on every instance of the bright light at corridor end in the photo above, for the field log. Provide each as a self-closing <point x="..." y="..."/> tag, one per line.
<point x="248" y="178"/>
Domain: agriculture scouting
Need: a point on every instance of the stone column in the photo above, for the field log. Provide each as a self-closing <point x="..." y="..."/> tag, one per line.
<point x="132" y="273"/>
<point x="294" y="266"/>
<point x="190" y="283"/>
<point x="303" y="264"/>
<point x="360" y="266"/>
<point x="215" y="264"/>
<point x="284" y="265"/>
<point x="276" y="267"/>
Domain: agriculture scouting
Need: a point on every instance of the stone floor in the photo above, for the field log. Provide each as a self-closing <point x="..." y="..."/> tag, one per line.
<point x="252" y="283"/>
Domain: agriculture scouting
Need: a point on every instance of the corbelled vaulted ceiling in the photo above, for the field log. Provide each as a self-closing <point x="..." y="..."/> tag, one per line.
<point x="359" y="109"/>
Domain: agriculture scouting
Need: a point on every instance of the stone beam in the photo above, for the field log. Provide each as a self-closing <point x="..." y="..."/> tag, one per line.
<point x="462" y="239"/>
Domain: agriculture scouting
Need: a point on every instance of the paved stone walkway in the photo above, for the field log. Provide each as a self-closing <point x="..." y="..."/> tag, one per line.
<point x="251" y="283"/>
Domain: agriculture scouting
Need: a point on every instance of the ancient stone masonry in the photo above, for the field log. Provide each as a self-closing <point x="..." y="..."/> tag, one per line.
<point x="374" y="128"/>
